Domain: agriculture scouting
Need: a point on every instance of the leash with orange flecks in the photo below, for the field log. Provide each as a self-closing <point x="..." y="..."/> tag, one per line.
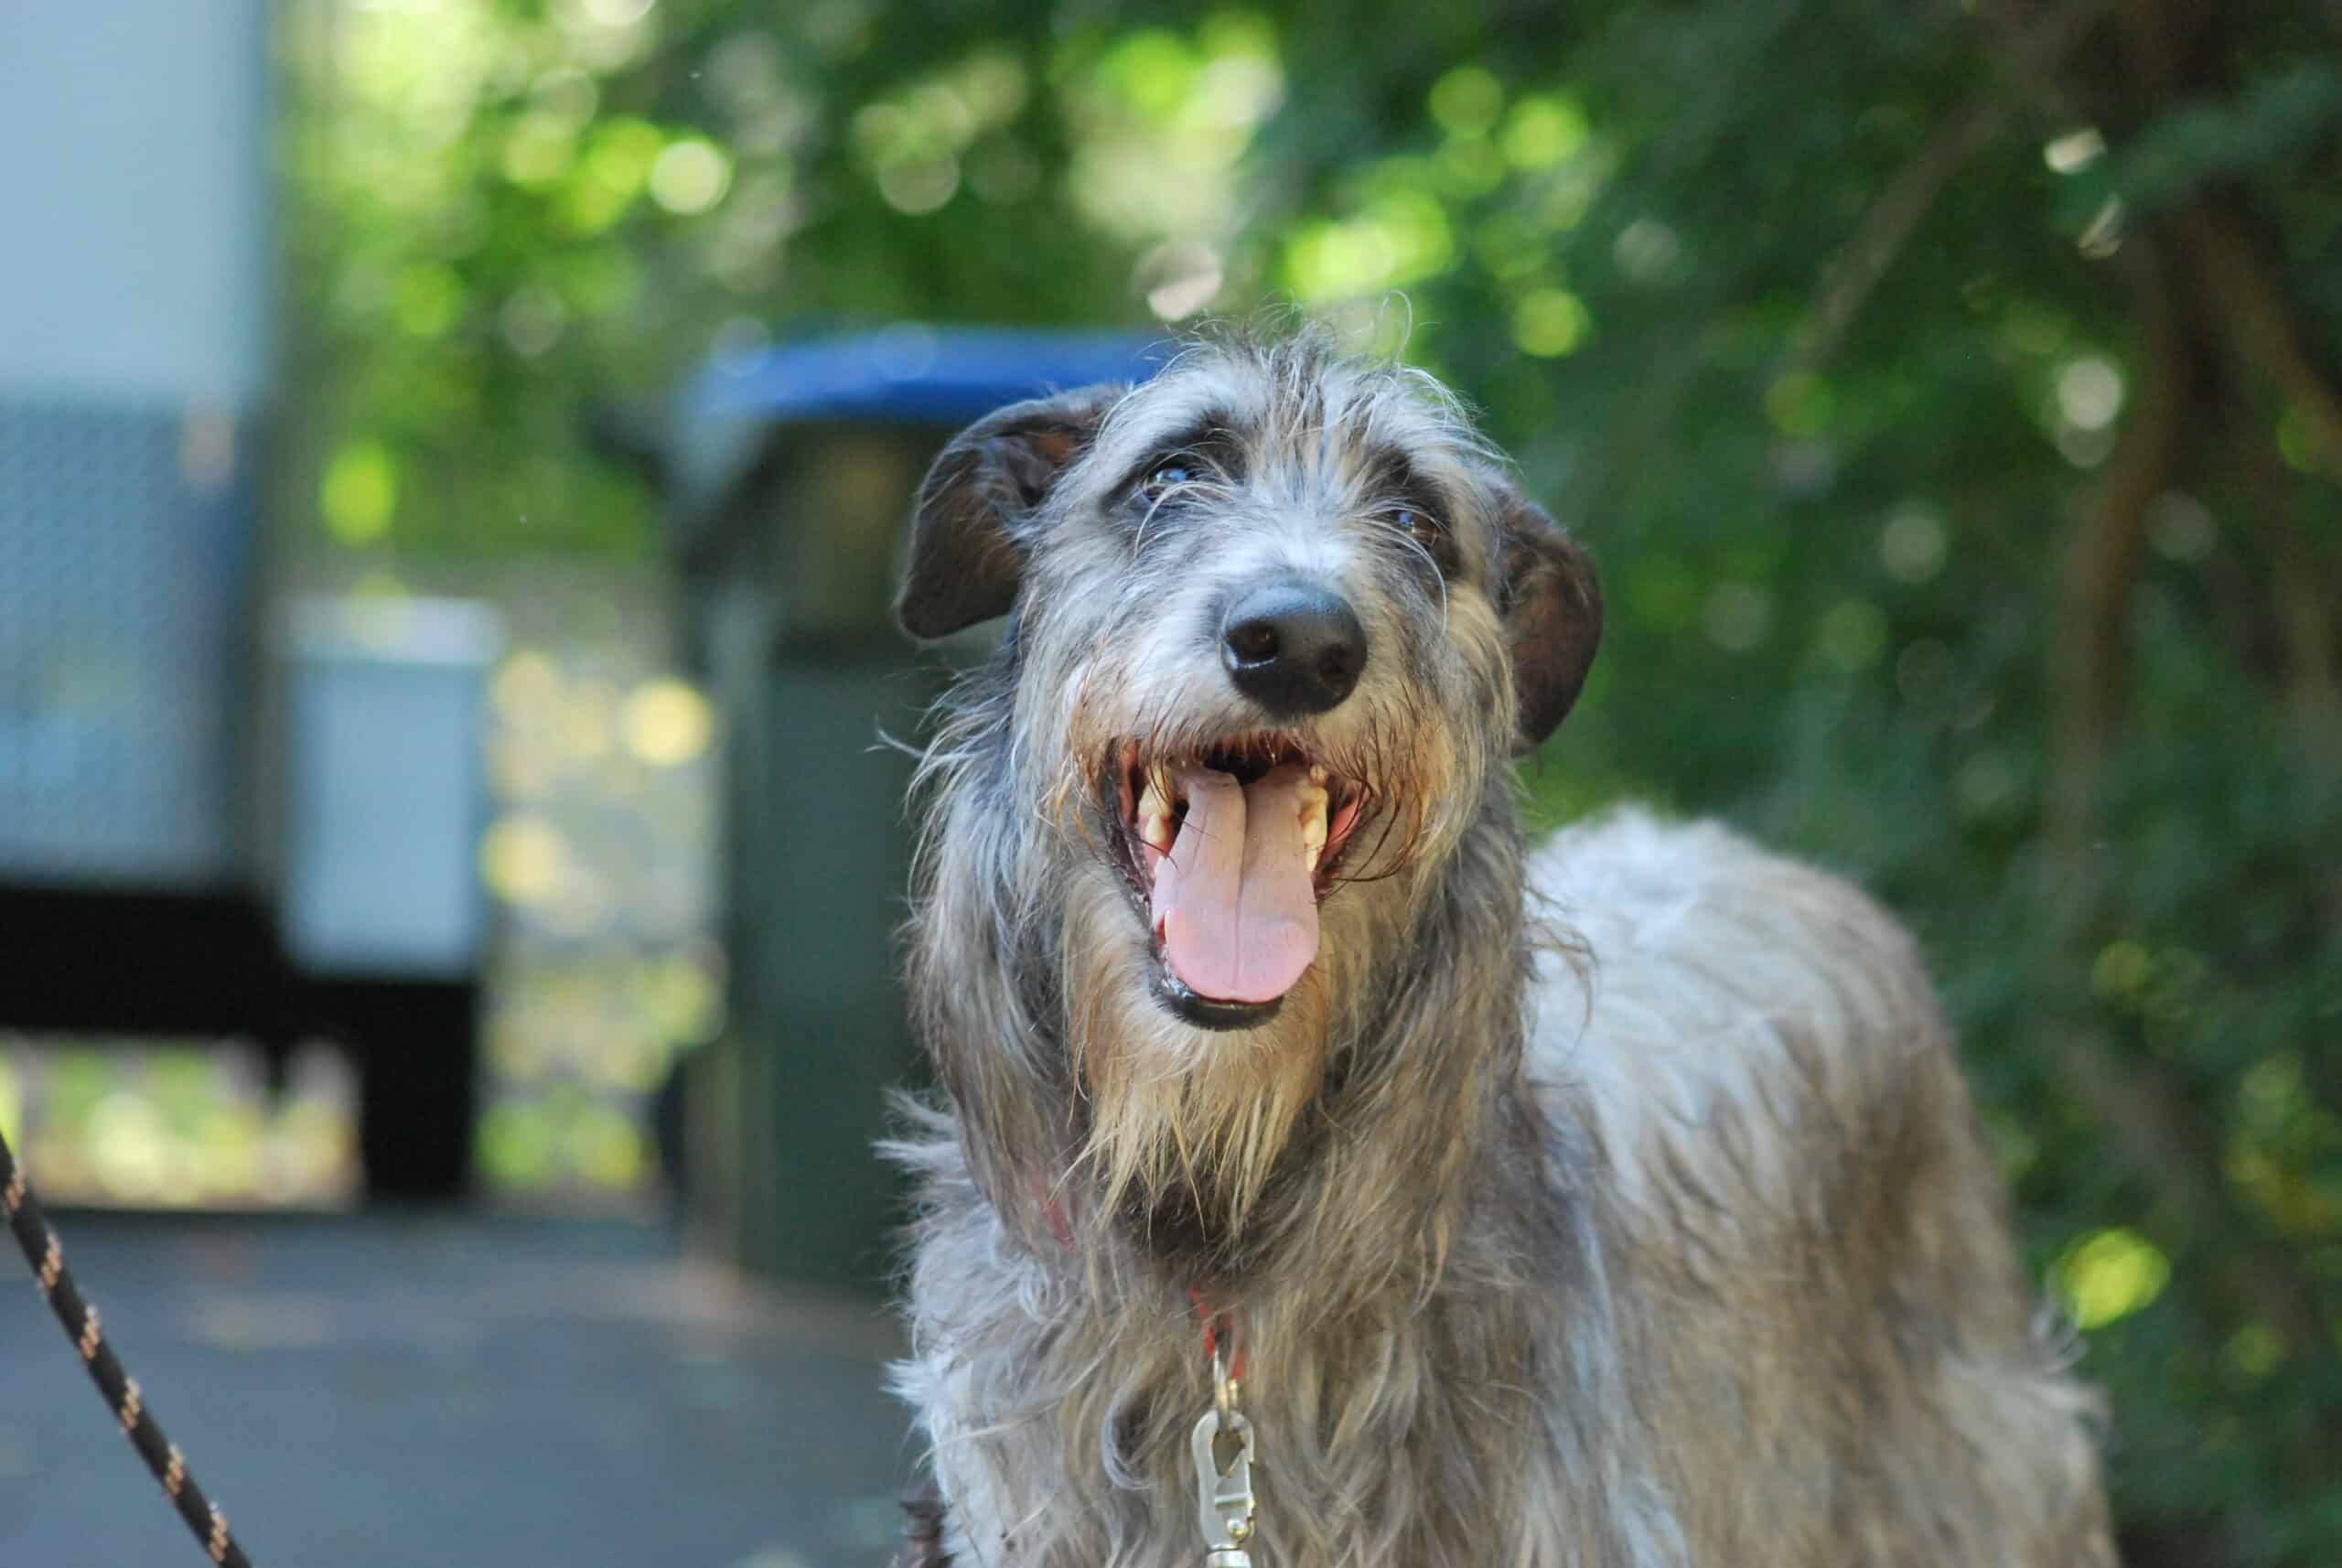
<point x="40" y="1248"/>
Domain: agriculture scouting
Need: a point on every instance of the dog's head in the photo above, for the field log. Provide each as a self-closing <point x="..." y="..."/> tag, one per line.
<point x="1279" y="620"/>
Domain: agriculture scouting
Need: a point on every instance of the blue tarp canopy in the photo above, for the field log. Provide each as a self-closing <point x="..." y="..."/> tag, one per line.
<point x="910" y="374"/>
<point x="904" y="374"/>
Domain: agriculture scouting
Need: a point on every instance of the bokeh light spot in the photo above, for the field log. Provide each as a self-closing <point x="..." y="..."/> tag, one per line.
<point x="427" y="299"/>
<point x="1913" y="545"/>
<point x="2180" y="527"/>
<point x="525" y="685"/>
<point x="1799" y="404"/>
<point x="1853" y="635"/>
<point x="1239" y="91"/>
<point x="2075" y="151"/>
<point x="667" y="723"/>
<point x="2089" y="393"/>
<point x="1737" y="617"/>
<point x="1986" y="788"/>
<point x="2110" y="1274"/>
<point x="1466" y="102"/>
<point x="1540" y="132"/>
<point x="919" y="185"/>
<point x="360" y="492"/>
<point x="608" y="1147"/>
<point x="2254" y="1351"/>
<point x="690" y="177"/>
<point x="523" y="858"/>
<point x="127" y="1146"/>
<point x="1648" y="250"/>
<point x="532" y="320"/>
<point x="616" y="13"/>
<point x="1550" y="322"/>
<point x="2294" y="444"/>
<point x="1926" y="672"/>
<point x="1178" y="279"/>
<point x="1153" y="71"/>
<point x="516" y="1145"/>
<point x="2120" y="971"/>
<point x="538" y="149"/>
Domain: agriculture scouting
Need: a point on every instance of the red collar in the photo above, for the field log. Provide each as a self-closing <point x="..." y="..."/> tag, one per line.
<point x="1217" y="1326"/>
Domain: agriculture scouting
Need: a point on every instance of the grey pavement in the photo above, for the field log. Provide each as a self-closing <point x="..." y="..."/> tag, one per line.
<point x="505" y="1393"/>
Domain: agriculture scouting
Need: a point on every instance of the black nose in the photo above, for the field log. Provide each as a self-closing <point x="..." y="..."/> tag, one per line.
<point x="1294" y="648"/>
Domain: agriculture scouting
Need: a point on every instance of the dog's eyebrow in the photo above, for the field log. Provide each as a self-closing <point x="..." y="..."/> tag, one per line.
<point x="1211" y="435"/>
<point x="1391" y="473"/>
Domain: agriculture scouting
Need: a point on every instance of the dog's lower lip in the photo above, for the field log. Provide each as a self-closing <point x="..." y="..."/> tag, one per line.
<point x="1208" y="1014"/>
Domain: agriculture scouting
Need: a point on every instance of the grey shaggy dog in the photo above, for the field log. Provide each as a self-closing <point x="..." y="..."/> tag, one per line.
<point x="1620" y="1203"/>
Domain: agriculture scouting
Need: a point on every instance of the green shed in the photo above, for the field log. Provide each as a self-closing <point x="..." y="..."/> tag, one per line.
<point x="790" y="475"/>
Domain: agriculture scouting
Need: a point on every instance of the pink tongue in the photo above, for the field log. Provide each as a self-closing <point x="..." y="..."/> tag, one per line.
<point x="1233" y="900"/>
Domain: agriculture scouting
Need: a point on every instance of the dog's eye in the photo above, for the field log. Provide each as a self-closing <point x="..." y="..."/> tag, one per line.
<point x="1167" y="477"/>
<point x="1420" y="525"/>
<point x="1428" y="532"/>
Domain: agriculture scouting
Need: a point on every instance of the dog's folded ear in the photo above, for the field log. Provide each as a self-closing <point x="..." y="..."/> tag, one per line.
<point x="967" y="551"/>
<point x="1552" y="604"/>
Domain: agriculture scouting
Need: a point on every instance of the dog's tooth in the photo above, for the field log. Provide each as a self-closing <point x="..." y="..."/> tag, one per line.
<point x="1154" y="812"/>
<point x="1313" y="827"/>
<point x="1318" y="773"/>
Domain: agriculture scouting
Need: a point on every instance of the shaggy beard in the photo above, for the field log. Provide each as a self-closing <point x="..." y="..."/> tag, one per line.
<point x="1186" y="1129"/>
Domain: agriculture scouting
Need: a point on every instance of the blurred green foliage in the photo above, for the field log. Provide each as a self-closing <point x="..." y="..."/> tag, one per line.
<point x="1948" y="391"/>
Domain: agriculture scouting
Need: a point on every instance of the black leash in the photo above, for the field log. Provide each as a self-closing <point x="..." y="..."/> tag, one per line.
<point x="40" y="1248"/>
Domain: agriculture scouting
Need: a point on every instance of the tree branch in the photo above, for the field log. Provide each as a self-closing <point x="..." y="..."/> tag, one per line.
<point x="2102" y="559"/>
<point x="1855" y="273"/>
<point x="2304" y="591"/>
<point x="2163" y="1134"/>
<point x="2263" y="331"/>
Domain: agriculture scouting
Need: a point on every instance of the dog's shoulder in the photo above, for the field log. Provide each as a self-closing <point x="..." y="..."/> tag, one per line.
<point x="1703" y="985"/>
<point x="1631" y="886"/>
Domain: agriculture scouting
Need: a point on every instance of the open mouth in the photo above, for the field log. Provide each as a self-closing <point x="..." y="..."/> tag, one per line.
<point x="1231" y="850"/>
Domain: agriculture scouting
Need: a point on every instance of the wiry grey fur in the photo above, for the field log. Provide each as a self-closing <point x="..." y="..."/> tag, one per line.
<point x="1671" y="1240"/>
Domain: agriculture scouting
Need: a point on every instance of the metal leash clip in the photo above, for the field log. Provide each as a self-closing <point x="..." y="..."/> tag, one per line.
<point x="1224" y="1500"/>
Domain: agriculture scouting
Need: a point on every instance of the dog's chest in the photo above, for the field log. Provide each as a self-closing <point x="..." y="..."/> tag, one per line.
<point x="1357" y="1459"/>
<point x="1308" y="1516"/>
